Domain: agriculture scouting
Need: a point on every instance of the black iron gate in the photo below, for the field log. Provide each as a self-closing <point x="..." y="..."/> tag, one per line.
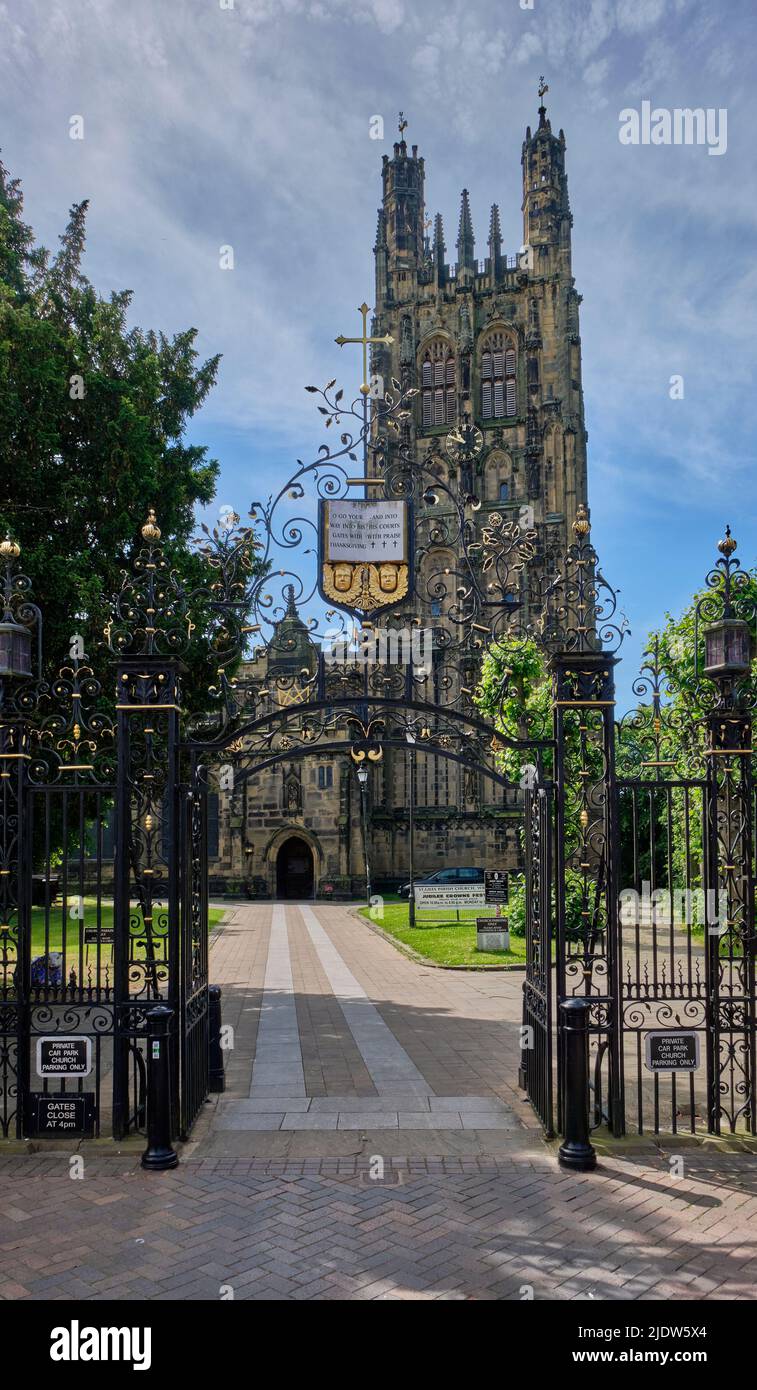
<point x="90" y="944"/>
<point x="538" y="1022"/>
<point x="193" y="1002"/>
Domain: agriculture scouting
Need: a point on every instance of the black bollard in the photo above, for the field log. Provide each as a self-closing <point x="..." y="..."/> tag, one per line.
<point x="576" y="1151"/>
<point x="216" y="1076"/>
<point x="159" y="1153"/>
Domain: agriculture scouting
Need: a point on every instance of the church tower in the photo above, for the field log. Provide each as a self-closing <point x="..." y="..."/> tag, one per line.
<point x="495" y="342"/>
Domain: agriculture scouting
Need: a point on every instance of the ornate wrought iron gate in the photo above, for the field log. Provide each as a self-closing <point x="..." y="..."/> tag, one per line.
<point x="536" y="1072"/>
<point x="650" y="801"/>
<point x="193" y="1003"/>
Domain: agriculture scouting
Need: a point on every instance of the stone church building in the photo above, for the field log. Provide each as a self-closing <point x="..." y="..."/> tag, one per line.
<point x="494" y="341"/>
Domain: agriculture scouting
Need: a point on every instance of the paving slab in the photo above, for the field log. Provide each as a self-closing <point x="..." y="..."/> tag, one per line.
<point x="309" y="1121"/>
<point x="349" y="1119"/>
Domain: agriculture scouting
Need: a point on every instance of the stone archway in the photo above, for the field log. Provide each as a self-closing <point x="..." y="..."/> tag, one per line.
<point x="295" y="869"/>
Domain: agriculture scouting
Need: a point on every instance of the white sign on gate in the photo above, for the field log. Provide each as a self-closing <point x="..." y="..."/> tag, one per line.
<point x="366" y="530"/>
<point x="64" y="1057"/>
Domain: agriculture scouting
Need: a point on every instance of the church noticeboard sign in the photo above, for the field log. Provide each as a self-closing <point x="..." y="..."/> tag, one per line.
<point x="495" y="885"/>
<point x="672" y="1051"/>
<point x="364" y="553"/>
<point x="449" y="897"/>
<point x="62" y="1114"/>
<point x="105" y="936"/>
<point x="64" y="1056"/>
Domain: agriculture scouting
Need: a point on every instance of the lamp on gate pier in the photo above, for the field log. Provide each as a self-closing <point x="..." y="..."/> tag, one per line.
<point x="727" y="639"/>
<point x="15" y="638"/>
<point x="727" y="648"/>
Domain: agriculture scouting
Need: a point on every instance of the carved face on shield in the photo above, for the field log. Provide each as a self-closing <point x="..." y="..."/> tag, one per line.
<point x="342" y="577"/>
<point x="388" y="578"/>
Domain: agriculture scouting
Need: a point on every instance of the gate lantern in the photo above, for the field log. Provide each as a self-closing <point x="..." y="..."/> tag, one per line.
<point x="728" y="640"/>
<point x="727" y="648"/>
<point x="15" y="638"/>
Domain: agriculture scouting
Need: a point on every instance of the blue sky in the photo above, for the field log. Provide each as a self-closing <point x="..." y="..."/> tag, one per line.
<point x="206" y="126"/>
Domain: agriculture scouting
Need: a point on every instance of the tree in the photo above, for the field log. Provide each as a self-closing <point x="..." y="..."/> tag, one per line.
<point x="667" y="732"/>
<point x="92" y="420"/>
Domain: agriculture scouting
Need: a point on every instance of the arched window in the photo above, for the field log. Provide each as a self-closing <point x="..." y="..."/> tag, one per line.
<point x="498" y="389"/>
<point x="439" y="396"/>
<point x="498" y="477"/>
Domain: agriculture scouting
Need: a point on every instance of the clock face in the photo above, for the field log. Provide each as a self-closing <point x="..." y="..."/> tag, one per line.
<point x="465" y="440"/>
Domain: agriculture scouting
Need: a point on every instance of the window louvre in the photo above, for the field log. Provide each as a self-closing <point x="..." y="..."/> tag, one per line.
<point x="498" y="367"/>
<point x="438" y="383"/>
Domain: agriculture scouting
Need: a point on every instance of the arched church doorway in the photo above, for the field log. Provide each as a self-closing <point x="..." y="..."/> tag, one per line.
<point x="294" y="869"/>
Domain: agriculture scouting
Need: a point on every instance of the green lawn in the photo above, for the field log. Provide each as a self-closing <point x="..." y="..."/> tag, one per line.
<point x="441" y="938"/>
<point x="90" y="919"/>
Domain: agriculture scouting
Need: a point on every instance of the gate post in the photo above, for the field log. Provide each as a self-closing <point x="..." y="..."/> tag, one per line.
<point x="582" y="638"/>
<point x="585" y="849"/>
<point x="729" y="855"/>
<point x="15" y="923"/>
<point x="19" y="692"/>
<point x="146" y="869"/>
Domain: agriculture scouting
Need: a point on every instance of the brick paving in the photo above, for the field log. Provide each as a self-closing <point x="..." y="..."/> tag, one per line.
<point x="508" y="1228"/>
<point x="426" y="1211"/>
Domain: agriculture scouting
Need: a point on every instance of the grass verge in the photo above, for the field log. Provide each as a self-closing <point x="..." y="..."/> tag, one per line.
<point x="440" y="938"/>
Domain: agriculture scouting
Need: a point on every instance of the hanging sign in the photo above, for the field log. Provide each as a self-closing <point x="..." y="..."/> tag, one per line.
<point x="364" y="553"/>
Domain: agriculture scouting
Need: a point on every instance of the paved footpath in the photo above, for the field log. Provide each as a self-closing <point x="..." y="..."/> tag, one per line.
<point x="372" y="1144"/>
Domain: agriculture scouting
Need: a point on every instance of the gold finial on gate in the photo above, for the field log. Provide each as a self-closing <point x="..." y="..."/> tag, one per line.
<point x="150" y="530"/>
<point x="581" y="525"/>
<point x="9" y="549"/>
<point x="728" y="544"/>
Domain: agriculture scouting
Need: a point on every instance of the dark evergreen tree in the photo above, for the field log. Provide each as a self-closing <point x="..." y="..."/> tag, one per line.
<point x="92" y="422"/>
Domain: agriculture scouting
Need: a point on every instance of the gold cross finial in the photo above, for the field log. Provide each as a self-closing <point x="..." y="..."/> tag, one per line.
<point x="402" y="125"/>
<point x="543" y="89"/>
<point x="364" y="309"/>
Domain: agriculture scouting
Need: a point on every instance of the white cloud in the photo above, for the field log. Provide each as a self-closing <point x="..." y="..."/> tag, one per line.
<point x="250" y="127"/>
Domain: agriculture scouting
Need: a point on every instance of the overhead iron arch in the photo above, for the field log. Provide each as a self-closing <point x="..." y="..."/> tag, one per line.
<point x="341" y="747"/>
<point x="356" y="705"/>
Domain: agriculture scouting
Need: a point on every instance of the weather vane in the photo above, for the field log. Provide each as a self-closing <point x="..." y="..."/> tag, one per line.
<point x="365" y="389"/>
<point x="402" y="125"/>
<point x="543" y="89"/>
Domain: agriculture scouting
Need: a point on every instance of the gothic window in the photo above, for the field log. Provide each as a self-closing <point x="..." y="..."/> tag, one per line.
<point x="439" y="404"/>
<point x="498" y="388"/>
<point x="325" y="778"/>
<point x="498" y="472"/>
